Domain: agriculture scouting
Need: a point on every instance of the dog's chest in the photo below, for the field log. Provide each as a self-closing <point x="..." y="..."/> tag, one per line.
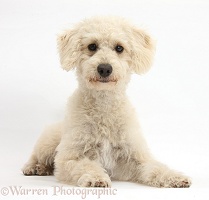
<point x="106" y="123"/>
<point x="107" y="137"/>
<point x="103" y="125"/>
<point x="106" y="155"/>
<point x="109" y="153"/>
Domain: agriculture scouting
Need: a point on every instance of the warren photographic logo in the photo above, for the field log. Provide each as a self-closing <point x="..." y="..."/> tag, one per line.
<point x="57" y="191"/>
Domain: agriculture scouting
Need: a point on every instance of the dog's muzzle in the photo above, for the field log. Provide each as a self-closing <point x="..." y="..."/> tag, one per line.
<point x="103" y="76"/>
<point x="104" y="70"/>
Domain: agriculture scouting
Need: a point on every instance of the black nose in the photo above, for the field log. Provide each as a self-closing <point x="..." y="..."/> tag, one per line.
<point x="104" y="70"/>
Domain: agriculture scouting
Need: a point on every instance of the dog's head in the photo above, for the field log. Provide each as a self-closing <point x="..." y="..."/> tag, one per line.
<point x="105" y="51"/>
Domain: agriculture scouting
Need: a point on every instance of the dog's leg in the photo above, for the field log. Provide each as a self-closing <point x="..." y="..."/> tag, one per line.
<point x="41" y="161"/>
<point x="83" y="172"/>
<point x="152" y="173"/>
<point x="138" y="165"/>
<point x="156" y="174"/>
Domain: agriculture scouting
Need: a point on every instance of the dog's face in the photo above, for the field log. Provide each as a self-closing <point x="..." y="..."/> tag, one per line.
<point x="105" y="51"/>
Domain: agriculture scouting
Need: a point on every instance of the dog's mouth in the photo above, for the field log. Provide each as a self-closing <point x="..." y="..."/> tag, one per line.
<point x="103" y="80"/>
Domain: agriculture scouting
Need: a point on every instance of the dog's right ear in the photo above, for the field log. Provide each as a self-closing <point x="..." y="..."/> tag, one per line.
<point x="68" y="47"/>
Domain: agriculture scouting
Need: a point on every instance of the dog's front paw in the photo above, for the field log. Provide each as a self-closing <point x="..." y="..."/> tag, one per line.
<point x="176" y="180"/>
<point x="88" y="180"/>
<point x="29" y="170"/>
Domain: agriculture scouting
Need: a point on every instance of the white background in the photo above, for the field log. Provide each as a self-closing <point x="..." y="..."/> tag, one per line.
<point x="172" y="100"/>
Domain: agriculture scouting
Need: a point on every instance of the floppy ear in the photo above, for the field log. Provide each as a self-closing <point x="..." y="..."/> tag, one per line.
<point x="142" y="53"/>
<point x="68" y="47"/>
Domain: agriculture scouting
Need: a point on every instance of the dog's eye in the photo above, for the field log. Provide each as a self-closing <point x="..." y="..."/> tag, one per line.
<point x="119" y="49"/>
<point x="92" y="47"/>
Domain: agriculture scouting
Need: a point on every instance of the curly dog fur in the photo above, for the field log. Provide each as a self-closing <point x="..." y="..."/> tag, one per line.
<point x="100" y="139"/>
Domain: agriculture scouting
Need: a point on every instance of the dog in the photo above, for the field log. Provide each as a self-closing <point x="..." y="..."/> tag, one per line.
<point x="100" y="139"/>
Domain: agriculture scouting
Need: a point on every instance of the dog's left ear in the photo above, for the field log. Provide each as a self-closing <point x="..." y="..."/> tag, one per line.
<point x="68" y="48"/>
<point x="142" y="52"/>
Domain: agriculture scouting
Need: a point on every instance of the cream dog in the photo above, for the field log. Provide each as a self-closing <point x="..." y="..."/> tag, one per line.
<point x="100" y="138"/>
